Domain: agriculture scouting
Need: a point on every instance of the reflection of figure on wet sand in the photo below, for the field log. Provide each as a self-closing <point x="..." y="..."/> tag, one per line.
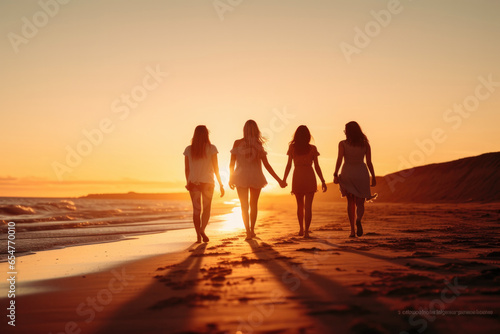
<point x="248" y="155"/>
<point x="200" y="166"/>
<point x="304" y="155"/>
<point x="354" y="179"/>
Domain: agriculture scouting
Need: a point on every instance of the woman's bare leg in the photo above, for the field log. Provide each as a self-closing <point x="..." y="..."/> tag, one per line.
<point x="308" y="213"/>
<point x="360" y="210"/>
<point x="243" y="196"/>
<point x="206" y="195"/>
<point x="300" y="212"/>
<point x="351" y="212"/>
<point x="196" y="201"/>
<point x="254" y="208"/>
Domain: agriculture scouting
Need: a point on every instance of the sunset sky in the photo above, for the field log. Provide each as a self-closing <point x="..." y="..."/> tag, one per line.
<point x="125" y="83"/>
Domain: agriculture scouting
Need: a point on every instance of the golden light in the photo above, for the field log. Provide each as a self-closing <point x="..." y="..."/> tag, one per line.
<point x="232" y="221"/>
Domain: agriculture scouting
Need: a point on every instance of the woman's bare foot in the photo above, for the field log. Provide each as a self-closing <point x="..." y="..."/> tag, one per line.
<point x="252" y="234"/>
<point x="249" y="236"/>
<point x="359" y="227"/>
<point x="198" y="239"/>
<point x="301" y="232"/>
<point x="306" y="235"/>
<point x="352" y="235"/>
<point x="204" y="236"/>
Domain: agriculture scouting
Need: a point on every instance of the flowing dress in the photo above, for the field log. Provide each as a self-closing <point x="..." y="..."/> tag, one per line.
<point x="354" y="178"/>
<point x="248" y="171"/>
<point x="304" y="178"/>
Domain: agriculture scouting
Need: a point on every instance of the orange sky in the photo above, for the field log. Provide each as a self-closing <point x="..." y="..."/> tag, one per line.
<point x="145" y="73"/>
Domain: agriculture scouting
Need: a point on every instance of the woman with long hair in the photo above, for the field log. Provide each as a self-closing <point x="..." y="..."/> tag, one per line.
<point x="200" y="164"/>
<point x="247" y="157"/>
<point x="354" y="180"/>
<point x="304" y="185"/>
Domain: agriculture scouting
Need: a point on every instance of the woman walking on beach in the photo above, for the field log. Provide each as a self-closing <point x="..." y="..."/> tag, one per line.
<point x="354" y="179"/>
<point x="303" y="155"/>
<point x="200" y="164"/>
<point x="248" y="155"/>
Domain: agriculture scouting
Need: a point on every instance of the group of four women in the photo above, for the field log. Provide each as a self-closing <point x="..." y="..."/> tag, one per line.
<point x="247" y="157"/>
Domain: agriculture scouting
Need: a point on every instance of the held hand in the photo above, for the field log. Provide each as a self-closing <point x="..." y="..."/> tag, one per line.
<point x="374" y="182"/>
<point x="323" y="186"/>
<point x="188" y="186"/>
<point x="336" y="179"/>
<point x="283" y="184"/>
<point x="222" y="192"/>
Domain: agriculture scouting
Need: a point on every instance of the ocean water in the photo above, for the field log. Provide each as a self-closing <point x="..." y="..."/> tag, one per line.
<point x="48" y="223"/>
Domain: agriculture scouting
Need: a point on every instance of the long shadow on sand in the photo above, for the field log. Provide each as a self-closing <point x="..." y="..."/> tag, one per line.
<point x="328" y="301"/>
<point x="158" y="307"/>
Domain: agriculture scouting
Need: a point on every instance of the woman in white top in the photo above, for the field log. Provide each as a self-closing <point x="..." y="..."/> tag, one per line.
<point x="200" y="166"/>
<point x="354" y="179"/>
<point x="248" y="155"/>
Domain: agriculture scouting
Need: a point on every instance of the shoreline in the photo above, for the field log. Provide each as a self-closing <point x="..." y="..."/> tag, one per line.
<point x="59" y="262"/>
<point x="220" y="209"/>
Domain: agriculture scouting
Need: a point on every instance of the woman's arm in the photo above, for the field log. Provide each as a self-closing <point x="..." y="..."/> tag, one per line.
<point x="317" y="168"/>
<point x="288" y="168"/>
<point x="370" y="165"/>
<point x="271" y="171"/>
<point x="215" y="165"/>
<point x="231" y="166"/>
<point x="186" y="171"/>
<point x="231" y="170"/>
<point x="340" y="157"/>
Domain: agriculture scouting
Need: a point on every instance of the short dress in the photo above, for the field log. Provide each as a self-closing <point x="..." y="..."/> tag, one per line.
<point x="354" y="178"/>
<point x="304" y="178"/>
<point x="248" y="171"/>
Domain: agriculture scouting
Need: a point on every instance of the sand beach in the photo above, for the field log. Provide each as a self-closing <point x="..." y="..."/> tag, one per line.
<point x="427" y="268"/>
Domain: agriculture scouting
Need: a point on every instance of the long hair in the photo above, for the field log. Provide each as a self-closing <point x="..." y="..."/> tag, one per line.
<point x="301" y="140"/>
<point x="355" y="135"/>
<point x="200" y="142"/>
<point x="251" y="133"/>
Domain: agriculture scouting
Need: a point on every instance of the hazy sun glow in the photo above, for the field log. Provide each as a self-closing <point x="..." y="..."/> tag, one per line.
<point x="232" y="221"/>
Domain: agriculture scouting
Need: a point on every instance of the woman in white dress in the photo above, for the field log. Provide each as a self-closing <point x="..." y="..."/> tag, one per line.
<point x="200" y="164"/>
<point x="247" y="157"/>
<point x="354" y="179"/>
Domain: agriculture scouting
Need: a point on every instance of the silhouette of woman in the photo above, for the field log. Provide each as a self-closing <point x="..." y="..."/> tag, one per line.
<point x="354" y="180"/>
<point x="248" y="155"/>
<point x="200" y="165"/>
<point x="304" y="185"/>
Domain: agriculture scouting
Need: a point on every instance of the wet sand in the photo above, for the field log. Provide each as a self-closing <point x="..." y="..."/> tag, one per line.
<point x="418" y="268"/>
